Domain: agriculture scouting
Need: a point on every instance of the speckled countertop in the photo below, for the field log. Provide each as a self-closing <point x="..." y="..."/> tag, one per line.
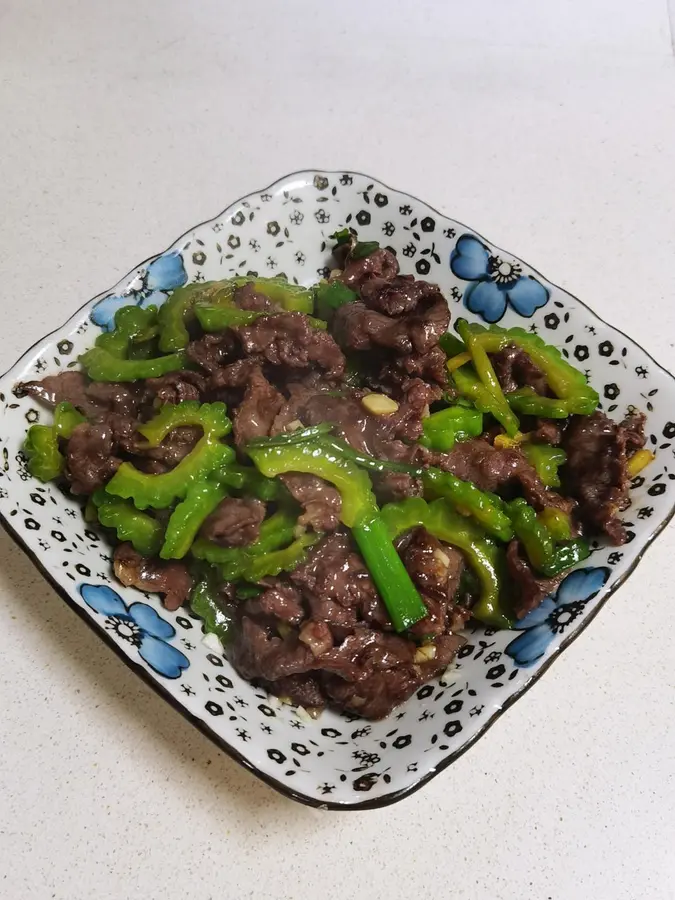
<point x="551" y="130"/>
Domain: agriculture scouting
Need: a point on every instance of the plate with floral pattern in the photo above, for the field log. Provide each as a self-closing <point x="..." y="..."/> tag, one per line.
<point x="338" y="760"/>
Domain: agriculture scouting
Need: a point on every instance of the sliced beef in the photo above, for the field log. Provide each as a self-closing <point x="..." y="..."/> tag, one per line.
<point x="497" y="470"/>
<point x="388" y="674"/>
<point x="390" y="487"/>
<point x="257" y="653"/>
<point x="302" y="690"/>
<point x="529" y="589"/>
<point x="338" y="587"/>
<point x="514" y="369"/>
<point x="280" y="602"/>
<point x="321" y="502"/>
<point x="174" y="448"/>
<point x="169" y="578"/>
<point x="91" y="398"/>
<point x="595" y="472"/>
<point x="395" y="296"/>
<point x="288" y="339"/>
<point x="213" y="350"/>
<point x="177" y="386"/>
<point x="235" y="522"/>
<point x="431" y="367"/>
<point x="90" y="458"/>
<point x="234" y="375"/>
<point x="633" y="428"/>
<point x="436" y="570"/>
<point x="256" y="413"/>
<point x="380" y="264"/>
<point x="547" y="431"/>
<point x="119" y="399"/>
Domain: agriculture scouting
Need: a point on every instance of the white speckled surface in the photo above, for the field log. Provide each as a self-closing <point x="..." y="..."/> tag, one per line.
<point x="553" y="133"/>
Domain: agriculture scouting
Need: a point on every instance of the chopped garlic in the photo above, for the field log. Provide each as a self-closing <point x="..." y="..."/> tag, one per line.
<point x="442" y="558"/>
<point x="425" y="653"/>
<point x="295" y="425"/>
<point x="379" y="404"/>
<point x="212" y="643"/>
<point x="334" y="273"/>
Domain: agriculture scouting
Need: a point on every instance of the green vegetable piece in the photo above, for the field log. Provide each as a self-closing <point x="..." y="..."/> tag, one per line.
<point x="359" y="512"/>
<point x="499" y="407"/>
<point x="160" y="491"/>
<point x="41" y="446"/>
<point x="330" y="296"/>
<point x="557" y="522"/>
<point x="179" y="310"/>
<point x="364" y="248"/>
<point x="566" y="382"/>
<point x="204" y="603"/>
<point x="248" y="481"/>
<point x="451" y="345"/>
<point x="212" y="417"/>
<point x="218" y="318"/>
<point x="188" y="517"/>
<point x="404" y="604"/>
<point x="133" y="325"/>
<point x="533" y="535"/>
<point x="546" y="461"/>
<point x="275" y="532"/>
<point x="266" y="565"/>
<point x="567" y="554"/>
<point x="358" y="501"/>
<point x="101" y="365"/>
<point x="291" y="437"/>
<point x="343" y="236"/>
<point x="487" y="509"/>
<point x="484" y="557"/>
<point x="528" y="402"/>
<point x="141" y="530"/>
<point x="291" y="297"/>
<point x="248" y="591"/>
<point x="456" y="423"/>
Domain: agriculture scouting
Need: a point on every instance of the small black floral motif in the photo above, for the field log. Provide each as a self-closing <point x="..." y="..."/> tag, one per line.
<point x="331" y="732"/>
<point x="669" y="430"/>
<point x="254" y="245"/>
<point x="64" y="347"/>
<point x="590" y="329"/>
<point x="271" y="262"/>
<point x="606" y="348"/>
<point x="476" y="710"/>
<point x="239" y="218"/>
<point x="296" y="217"/>
<point x="323" y="272"/>
<point x="224" y="681"/>
<point x="454" y="706"/>
<point x="452" y="728"/>
<point x="218" y="227"/>
<point x="300" y="749"/>
<point x="363" y="217"/>
<point x="641" y="371"/>
<point x="409" y="250"/>
<point x="276" y="756"/>
<point x="403" y="740"/>
<point x="365" y="782"/>
<point x="243" y="734"/>
<point x="449" y="233"/>
<point x="381" y="200"/>
<point x="39" y="499"/>
<point x="215" y="709"/>
<point x="456" y="294"/>
<point x="405" y="210"/>
<point x="234" y="242"/>
<point x="199" y="258"/>
<point x="614" y="558"/>
<point x="32" y="416"/>
<point x="581" y="352"/>
<point x="199" y="276"/>
<point x="326" y="788"/>
<point x="322" y="216"/>
<point x="495" y="672"/>
<point x="300" y="258"/>
<point x="320" y="182"/>
<point x="422" y="266"/>
<point x="657" y="489"/>
<point x="492" y="657"/>
<point x="645" y="512"/>
<point x="346" y="179"/>
<point x="427" y="224"/>
<point x="265" y="198"/>
<point x="611" y="391"/>
<point x="187" y="690"/>
<point x="267" y="729"/>
<point x="215" y="660"/>
<point x="41" y="365"/>
<point x="389" y="228"/>
<point x="425" y="691"/>
<point x="552" y="320"/>
<point x="273" y="228"/>
<point x="31" y="525"/>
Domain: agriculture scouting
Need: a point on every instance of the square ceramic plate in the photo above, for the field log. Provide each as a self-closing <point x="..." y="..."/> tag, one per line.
<point x="339" y="761"/>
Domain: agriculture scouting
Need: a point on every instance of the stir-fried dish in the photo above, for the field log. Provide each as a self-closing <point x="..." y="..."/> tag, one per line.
<point x="330" y="478"/>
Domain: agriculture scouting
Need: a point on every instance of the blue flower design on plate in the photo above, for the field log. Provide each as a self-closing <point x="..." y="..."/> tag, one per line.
<point x="139" y="625"/>
<point x="555" y="614"/>
<point x="166" y="273"/>
<point x="496" y="281"/>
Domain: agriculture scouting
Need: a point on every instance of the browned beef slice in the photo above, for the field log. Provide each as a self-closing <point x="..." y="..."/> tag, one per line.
<point x="234" y="375"/>
<point x="390" y="487"/>
<point x="303" y="690"/>
<point x="279" y="601"/>
<point x="321" y="502"/>
<point x="338" y="587"/>
<point x="493" y="469"/>
<point x="288" y="339"/>
<point x="529" y="589"/>
<point x="435" y="569"/>
<point x="235" y="522"/>
<point x="257" y="653"/>
<point x="547" y="431"/>
<point x="395" y="296"/>
<point x="430" y="367"/>
<point x="595" y="472"/>
<point x="257" y="411"/>
<point x="514" y="369"/>
<point x="177" y="386"/>
<point x="379" y="264"/>
<point x="92" y="399"/>
<point x="633" y="427"/>
<point x="388" y="674"/>
<point x="175" y="446"/>
<point x="213" y="350"/>
<point x="157" y="576"/>
<point x="357" y="327"/>
<point x="90" y="458"/>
